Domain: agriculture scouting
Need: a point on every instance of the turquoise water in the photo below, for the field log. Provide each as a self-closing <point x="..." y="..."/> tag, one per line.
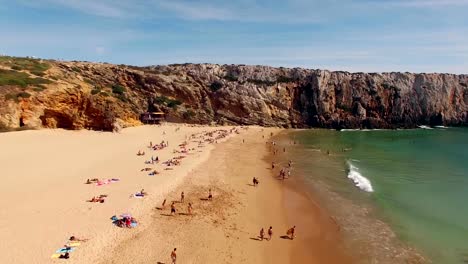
<point x="418" y="179"/>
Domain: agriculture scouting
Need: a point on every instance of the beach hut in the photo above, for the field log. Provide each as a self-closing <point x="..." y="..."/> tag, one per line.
<point x="152" y="117"/>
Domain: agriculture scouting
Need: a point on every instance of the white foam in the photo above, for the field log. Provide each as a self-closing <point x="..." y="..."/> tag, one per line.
<point x="442" y="127"/>
<point x="359" y="180"/>
<point x="425" y="127"/>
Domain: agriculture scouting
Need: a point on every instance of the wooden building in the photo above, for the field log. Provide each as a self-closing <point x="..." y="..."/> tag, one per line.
<point x="152" y="117"/>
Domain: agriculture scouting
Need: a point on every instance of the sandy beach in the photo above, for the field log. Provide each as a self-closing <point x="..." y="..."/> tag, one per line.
<point x="43" y="199"/>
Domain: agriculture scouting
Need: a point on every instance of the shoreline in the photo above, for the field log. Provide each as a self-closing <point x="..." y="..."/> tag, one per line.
<point x="226" y="229"/>
<point x="355" y="219"/>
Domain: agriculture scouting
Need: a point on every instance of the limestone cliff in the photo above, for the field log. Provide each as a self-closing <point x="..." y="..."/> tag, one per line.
<point x="77" y="95"/>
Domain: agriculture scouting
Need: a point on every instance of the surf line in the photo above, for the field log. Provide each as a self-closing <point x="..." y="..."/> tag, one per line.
<point x="359" y="180"/>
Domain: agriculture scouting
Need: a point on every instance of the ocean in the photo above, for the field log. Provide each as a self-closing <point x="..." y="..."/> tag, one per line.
<point x="415" y="180"/>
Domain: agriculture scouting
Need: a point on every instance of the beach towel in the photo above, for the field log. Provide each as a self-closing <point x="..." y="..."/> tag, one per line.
<point x="55" y="255"/>
<point x="138" y="195"/>
<point x="64" y="250"/>
<point x="73" y="244"/>
<point x="133" y="224"/>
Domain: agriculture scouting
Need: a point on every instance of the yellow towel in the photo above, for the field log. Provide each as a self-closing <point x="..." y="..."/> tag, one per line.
<point x="74" y="244"/>
<point x="56" y="255"/>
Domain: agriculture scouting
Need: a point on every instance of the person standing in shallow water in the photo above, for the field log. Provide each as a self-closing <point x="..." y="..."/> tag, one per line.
<point x="174" y="256"/>
<point x="290" y="232"/>
<point x="189" y="208"/>
<point x="173" y="210"/>
<point x="270" y="233"/>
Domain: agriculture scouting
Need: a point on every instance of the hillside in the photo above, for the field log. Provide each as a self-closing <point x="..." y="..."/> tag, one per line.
<point x="75" y="95"/>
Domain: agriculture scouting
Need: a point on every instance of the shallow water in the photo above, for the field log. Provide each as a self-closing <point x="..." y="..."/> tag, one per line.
<point x="417" y="179"/>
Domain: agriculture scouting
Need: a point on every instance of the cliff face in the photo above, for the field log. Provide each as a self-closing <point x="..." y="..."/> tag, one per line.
<point x="76" y="95"/>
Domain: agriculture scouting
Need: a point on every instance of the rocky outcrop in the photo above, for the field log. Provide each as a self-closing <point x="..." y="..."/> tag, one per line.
<point x="98" y="96"/>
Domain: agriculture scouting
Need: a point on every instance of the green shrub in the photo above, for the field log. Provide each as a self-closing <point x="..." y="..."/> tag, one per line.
<point x="104" y="94"/>
<point x="76" y="69"/>
<point x="173" y="103"/>
<point x="188" y="114"/>
<point x="284" y="79"/>
<point x="28" y="64"/>
<point x="8" y="77"/>
<point x="261" y="82"/>
<point x="95" y="91"/>
<point x="23" y="95"/>
<point x="38" y="73"/>
<point x="39" y="88"/>
<point x="10" y="96"/>
<point x="161" y="100"/>
<point x="216" y="85"/>
<point x="231" y="77"/>
<point x="122" y="97"/>
<point x="118" y="89"/>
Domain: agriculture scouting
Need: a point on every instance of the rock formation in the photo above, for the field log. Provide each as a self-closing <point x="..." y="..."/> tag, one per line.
<point x="76" y="95"/>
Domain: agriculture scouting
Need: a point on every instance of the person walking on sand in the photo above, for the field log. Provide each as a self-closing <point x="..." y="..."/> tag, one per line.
<point x="189" y="208"/>
<point x="290" y="232"/>
<point x="174" y="256"/>
<point x="262" y="234"/>
<point x="270" y="233"/>
<point x="182" y="197"/>
<point x="173" y="210"/>
<point x="210" y="196"/>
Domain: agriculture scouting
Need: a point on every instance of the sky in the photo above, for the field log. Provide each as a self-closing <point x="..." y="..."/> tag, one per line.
<point x="348" y="35"/>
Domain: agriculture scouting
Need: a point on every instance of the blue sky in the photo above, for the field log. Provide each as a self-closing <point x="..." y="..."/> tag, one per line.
<point x="352" y="35"/>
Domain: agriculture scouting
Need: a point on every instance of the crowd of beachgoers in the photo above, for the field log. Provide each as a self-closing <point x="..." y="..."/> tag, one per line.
<point x="153" y="166"/>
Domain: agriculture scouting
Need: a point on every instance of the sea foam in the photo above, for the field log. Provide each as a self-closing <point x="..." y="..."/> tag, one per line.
<point x="360" y="181"/>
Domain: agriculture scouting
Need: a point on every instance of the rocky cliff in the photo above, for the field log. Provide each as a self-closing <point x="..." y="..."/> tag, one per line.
<point x="74" y="95"/>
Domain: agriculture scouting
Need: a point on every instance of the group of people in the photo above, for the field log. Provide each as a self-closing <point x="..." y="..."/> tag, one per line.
<point x="182" y="200"/>
<point x="289" y="233"/>
<point x="126" y="221"/>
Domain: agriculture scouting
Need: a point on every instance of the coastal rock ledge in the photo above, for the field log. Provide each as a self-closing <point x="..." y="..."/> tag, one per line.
<point x="75" y="95"/>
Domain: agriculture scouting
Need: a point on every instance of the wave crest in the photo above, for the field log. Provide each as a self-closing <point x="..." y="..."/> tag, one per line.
<point x="359" y="180"/>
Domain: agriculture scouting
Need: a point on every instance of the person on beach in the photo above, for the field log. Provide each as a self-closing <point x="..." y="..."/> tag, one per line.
<point x="290" y="232"/>
<point x="173" y="210"/>
<point x="174" y="256"/>
<point x="262" y="234"/>
<point x="255" y="182"/>
<point x="272" y="165"/>
<point x="270" y="233"/>
<point x="76" y="239"/>
<point x="182" y="197"/>
<point x="189" y="208"/>
<point x="143" y="193"/>
<point x="163" y="204"/>
<point x="289" y="163"/>
<point x="210" y="196"/>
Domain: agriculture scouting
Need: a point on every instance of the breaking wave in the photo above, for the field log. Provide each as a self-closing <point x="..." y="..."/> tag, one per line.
<point x="359" y="180"/>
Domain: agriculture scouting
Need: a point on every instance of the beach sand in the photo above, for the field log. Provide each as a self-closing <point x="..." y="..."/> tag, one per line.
<point x="42" y="200"/>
